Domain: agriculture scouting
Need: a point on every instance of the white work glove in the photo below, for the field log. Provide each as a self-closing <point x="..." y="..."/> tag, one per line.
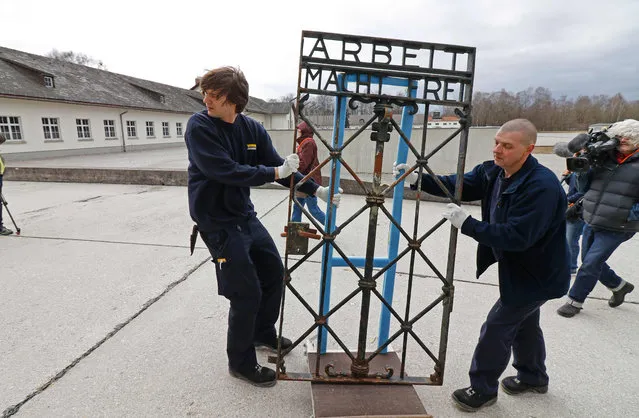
<point x="291" y="163"/>
<point x="412" y="177"/>
<point x="323" y="192"/>
<point x="456" y="215"/>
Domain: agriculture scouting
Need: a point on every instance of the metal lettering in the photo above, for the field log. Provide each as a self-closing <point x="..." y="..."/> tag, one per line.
<point x="365" y="61"/>
<point x="318" y="75"/>
<point x="386" y="53"/>
<point x="447" y="90"/>
<point x="351" y="52"/>
<point x="321" y="49"/>
<point x="332" y="79"/>
<point x="366" y="82"/>
<point x="434" y="92"/>
<point x="406" y="54"/>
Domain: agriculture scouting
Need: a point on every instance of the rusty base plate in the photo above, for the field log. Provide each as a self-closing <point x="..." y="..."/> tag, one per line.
<point x="354" y="400"/>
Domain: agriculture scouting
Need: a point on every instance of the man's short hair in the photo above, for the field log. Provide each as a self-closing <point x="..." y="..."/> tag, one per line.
<point x="2" y="139"/>
<point x="229" y="82"/>
<point x="628" y="128"/>
<point x="524" y="126"/>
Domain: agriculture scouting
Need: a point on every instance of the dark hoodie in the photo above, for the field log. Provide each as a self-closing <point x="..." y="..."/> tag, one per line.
<point x="307" y="151"/>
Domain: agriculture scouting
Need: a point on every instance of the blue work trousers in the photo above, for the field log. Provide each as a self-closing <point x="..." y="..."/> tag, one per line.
<point x="509" y="329"/>
<point x="250" y="275"/>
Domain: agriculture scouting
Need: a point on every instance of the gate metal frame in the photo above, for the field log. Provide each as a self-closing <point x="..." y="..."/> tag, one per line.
<point x="435" y="83"/>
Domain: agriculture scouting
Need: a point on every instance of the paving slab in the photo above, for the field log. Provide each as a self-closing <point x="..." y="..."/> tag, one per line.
<point x="88" y="259"/>
<point x="170" y="361"/>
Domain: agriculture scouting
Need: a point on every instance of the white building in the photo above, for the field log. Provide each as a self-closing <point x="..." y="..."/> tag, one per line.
<point x="273" y="116"/>
<point x="50" y="107"/>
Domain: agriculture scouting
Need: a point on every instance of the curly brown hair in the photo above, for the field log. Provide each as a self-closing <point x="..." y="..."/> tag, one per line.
<point x="229" y="82"/>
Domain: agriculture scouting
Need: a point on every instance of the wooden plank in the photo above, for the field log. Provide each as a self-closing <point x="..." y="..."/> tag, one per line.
<point x="353" y="400"/>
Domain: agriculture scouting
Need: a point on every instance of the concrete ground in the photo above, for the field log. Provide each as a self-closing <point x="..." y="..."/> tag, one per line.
<point x="104" y="313"/>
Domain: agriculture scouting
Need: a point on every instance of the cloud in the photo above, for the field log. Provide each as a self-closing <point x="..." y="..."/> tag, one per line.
<point x="571" y="47"/>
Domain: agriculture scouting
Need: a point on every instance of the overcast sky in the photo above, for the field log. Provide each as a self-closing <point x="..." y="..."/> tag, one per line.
<point x="572" y="47"/>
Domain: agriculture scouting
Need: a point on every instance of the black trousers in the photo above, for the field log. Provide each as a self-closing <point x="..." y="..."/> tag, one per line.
<point x="509" y="328"/>
<point x="250" y="275"/>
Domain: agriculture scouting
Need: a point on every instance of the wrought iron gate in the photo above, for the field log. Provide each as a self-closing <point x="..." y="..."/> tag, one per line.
<point x="392" y="74"/>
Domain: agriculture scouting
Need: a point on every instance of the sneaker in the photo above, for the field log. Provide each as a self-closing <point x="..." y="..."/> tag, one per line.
<point x="568" y="310"/>
<point x="617" y="297"/>
<point x="513" y="386"/>
<point x="272" y="345"/>
<point x="468" y="400"/>
<point x="5" y="231"/>
<point x="259" y="376"/>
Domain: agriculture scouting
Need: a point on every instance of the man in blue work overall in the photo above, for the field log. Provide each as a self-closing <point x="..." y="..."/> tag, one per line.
<point x="523" y="229"/>
<point x="228" y="154"/>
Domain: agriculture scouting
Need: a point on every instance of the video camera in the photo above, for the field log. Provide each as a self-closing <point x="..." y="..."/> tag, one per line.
<point x="593" y="148"/>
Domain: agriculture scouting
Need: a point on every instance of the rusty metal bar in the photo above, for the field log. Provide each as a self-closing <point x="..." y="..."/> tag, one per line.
<point x="360" y="367"/>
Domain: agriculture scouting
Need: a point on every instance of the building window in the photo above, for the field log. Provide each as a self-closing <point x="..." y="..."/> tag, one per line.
<point x="150" y="130"/>
<point x="178" y="128"/>
<point x="131" y="129"/>
<point x="51" y="128"/>
<point x="48" y="81"/>
<point x="84" y="130"/>
<point x="109" y="129"/>
<point x="10" y="128"/>
<point x="165" y="129"/>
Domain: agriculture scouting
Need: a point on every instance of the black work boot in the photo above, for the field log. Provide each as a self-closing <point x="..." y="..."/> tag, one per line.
<point x="258" y="376"/>
<point x="618" y="296"/>
<point x="272" y="345"/>
<point x="468" y="400"/>
<point x="568" y="310"/>
<point x="513" y="386"/>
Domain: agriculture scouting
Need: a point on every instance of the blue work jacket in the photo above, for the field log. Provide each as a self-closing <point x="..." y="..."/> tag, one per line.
<point x="528" y="236"/>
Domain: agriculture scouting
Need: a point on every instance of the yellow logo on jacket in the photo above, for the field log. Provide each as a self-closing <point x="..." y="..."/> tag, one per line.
<point x="251" y="147"/>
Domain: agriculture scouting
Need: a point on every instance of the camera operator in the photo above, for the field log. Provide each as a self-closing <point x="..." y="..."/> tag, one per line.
<point x="611" y="213"/>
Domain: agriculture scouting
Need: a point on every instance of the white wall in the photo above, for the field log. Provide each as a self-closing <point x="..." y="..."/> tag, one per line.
<point x="360" y="153"/>
<point x="280" y="121"/>
<point x="31" y="113"/>
<point x="260" y="117"/>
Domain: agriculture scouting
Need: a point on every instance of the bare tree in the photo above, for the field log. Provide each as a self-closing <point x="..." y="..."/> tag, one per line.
<point x="286" y="98"/>
<point x="548" y="113"/>
<point x="76" y="58"/>
<point x="493" y="109"/>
